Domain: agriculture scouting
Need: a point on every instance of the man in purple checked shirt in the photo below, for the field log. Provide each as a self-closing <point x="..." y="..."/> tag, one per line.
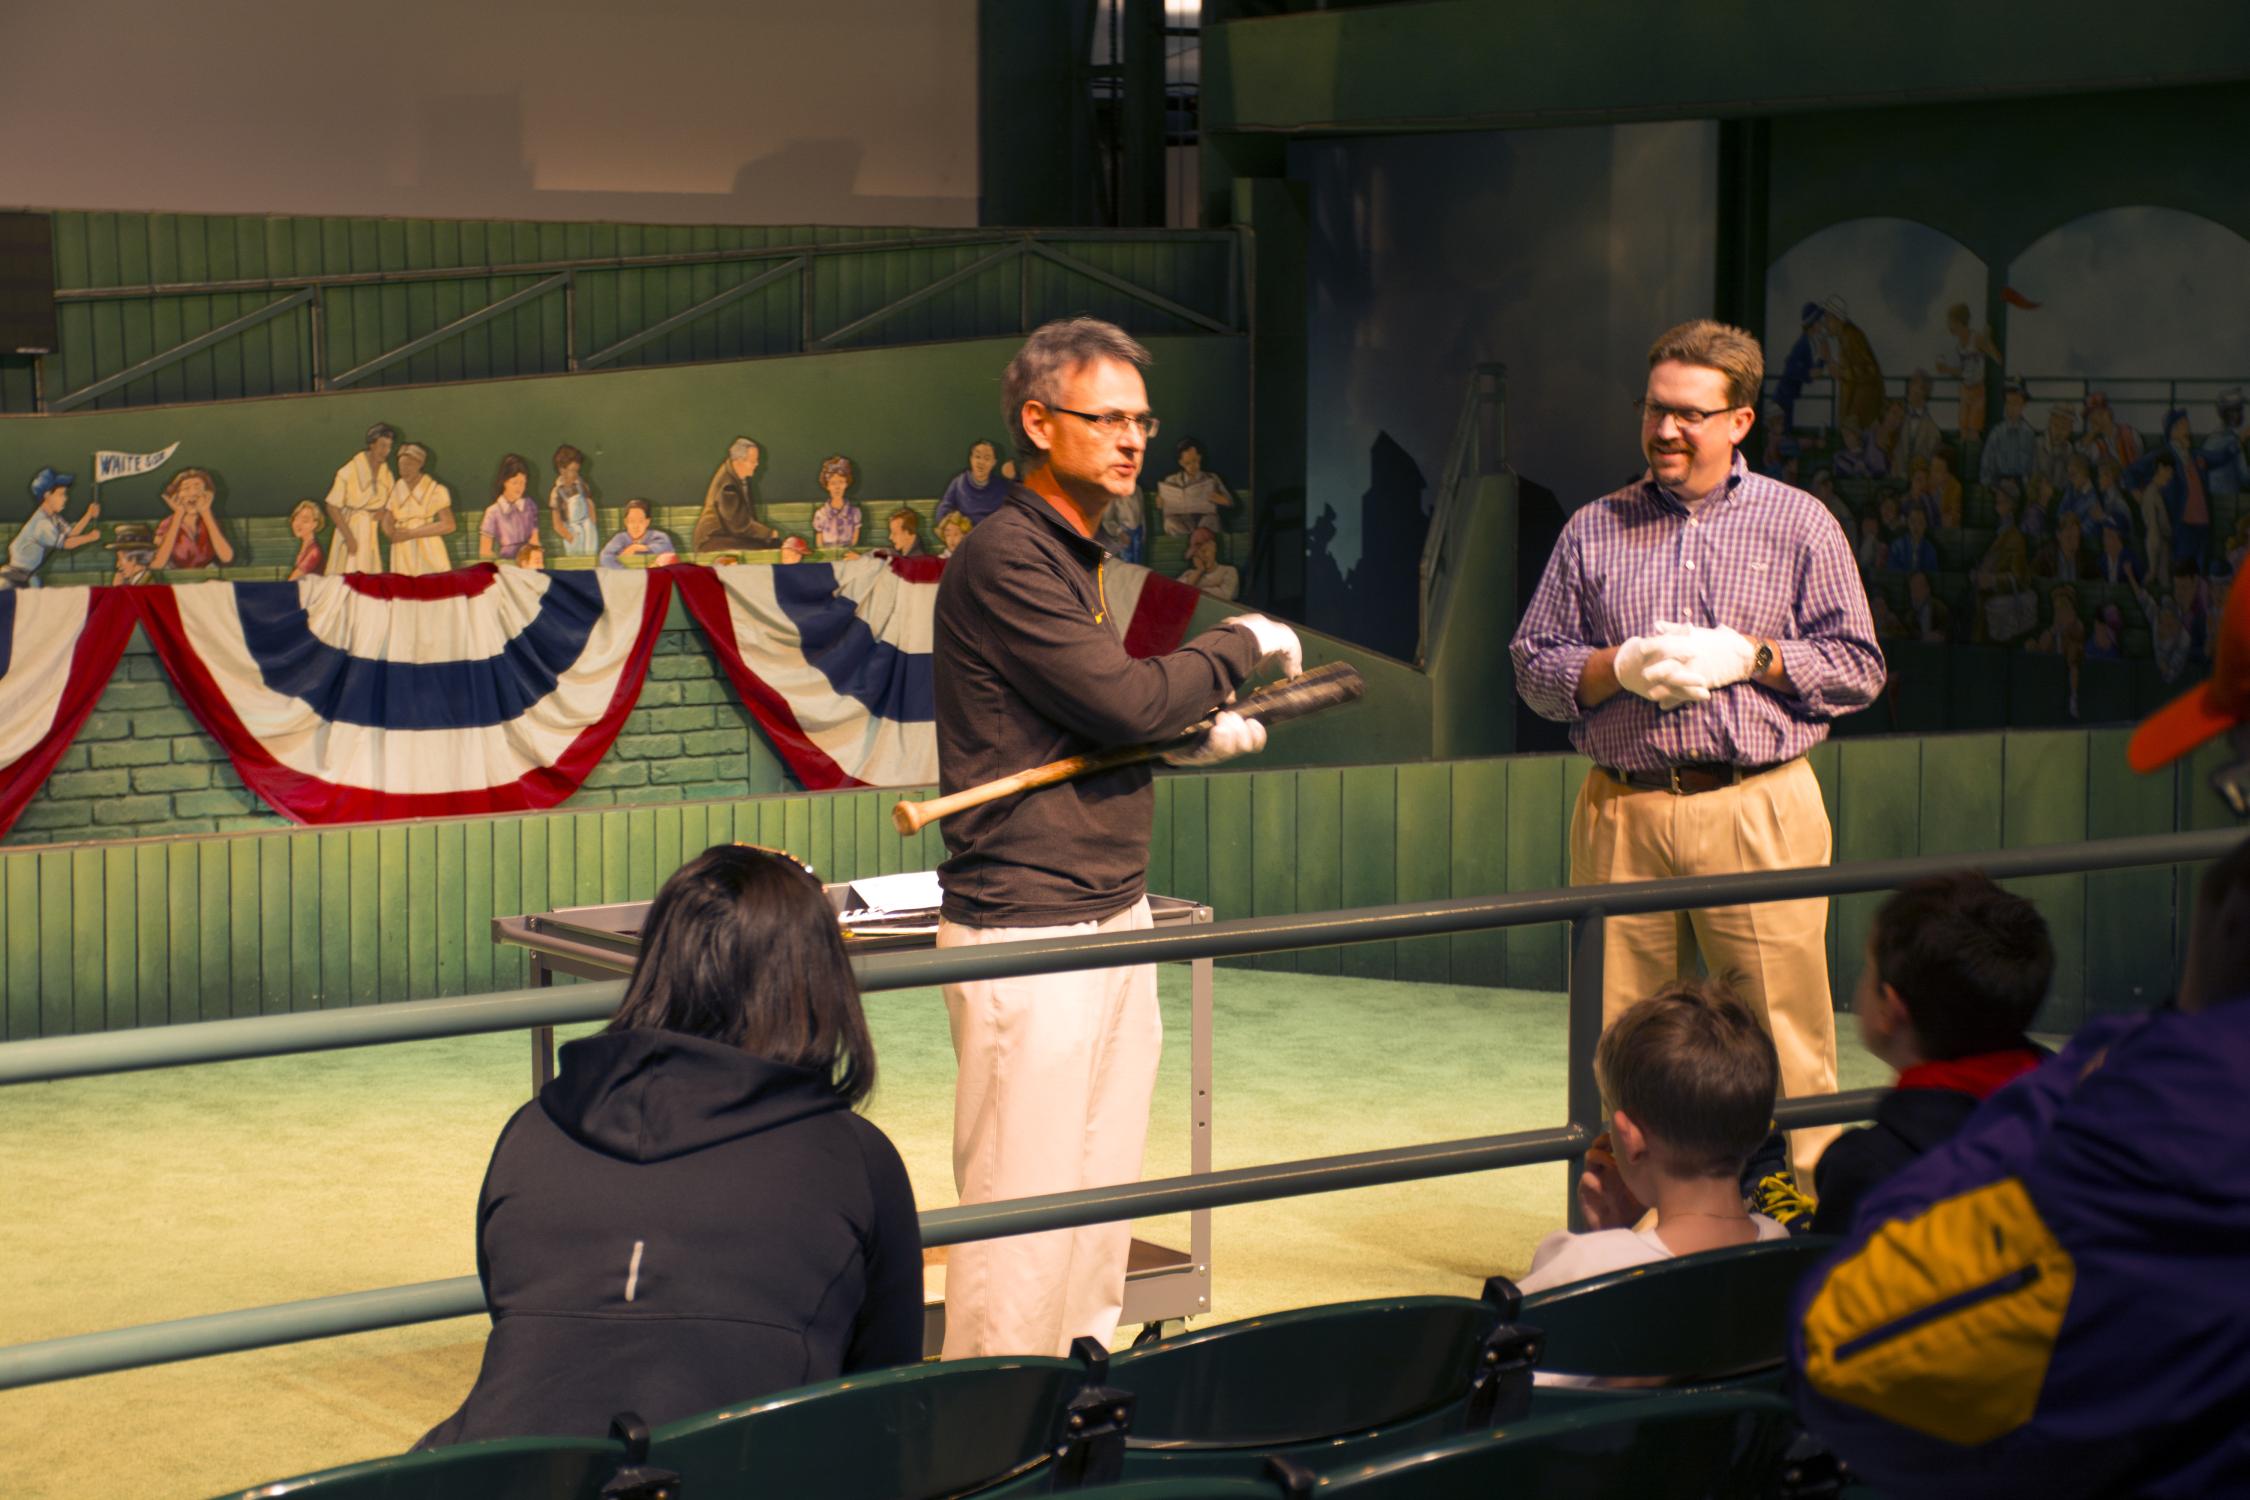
<point x="1697" y="631"/>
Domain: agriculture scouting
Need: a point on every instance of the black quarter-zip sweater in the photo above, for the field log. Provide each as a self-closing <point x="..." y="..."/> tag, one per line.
<point x="674" y="1225"/>
<point x="1029" y="669"/>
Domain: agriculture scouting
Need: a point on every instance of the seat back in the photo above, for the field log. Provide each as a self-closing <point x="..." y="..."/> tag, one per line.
<point x="507" y="1469"/>
<point x="946" y="1428"/>
<point x="1307" y="1375"/>
<point x="1723" y="1314"/>
<point x="1683" y="1447"/>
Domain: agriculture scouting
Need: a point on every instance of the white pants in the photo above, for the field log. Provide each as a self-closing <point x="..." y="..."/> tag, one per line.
<point x="1056" y="1073"/>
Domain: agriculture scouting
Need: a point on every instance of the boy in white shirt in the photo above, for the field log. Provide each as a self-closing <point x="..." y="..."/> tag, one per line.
<point x="1689" y="1079"/>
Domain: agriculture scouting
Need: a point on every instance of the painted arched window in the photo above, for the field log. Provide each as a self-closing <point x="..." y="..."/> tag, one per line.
<point x="2148" y="306"/>
<point x="1867" y="302"/>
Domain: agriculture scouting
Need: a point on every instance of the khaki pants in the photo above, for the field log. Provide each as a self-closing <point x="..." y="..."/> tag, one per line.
<point x="1775" y="954"/>
<point x="1056" y="1073"/>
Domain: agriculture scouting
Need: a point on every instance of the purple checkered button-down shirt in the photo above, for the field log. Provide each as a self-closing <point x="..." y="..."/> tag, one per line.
<point x="1758" y="555"/>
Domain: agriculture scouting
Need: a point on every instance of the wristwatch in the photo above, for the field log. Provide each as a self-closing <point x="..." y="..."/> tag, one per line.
<point x="1763" y="662"/>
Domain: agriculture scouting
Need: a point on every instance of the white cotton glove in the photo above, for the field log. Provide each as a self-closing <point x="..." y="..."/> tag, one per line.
<point x="1719" y="655"/>
<point x="1230" y="735"/>
<point x="1276" y="643"/>
<point x="1647" y="669"/>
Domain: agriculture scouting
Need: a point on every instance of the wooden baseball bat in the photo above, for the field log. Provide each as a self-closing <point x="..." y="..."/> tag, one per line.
<point x="1307" y="693"/>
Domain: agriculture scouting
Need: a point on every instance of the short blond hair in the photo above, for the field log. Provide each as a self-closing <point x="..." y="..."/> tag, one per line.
<point x="1715" y="346"/>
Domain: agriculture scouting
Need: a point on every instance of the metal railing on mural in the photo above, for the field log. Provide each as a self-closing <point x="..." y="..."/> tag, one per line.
<point x="2138" y="400"/>
<point x="1585" y="908"/>
<point x="793" y="264"/>
<point x="1479" y="449"/>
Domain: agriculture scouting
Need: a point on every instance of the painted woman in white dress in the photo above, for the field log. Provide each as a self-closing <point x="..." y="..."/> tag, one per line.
<point x="419" y="518"/>
<point x="361" y="491"/>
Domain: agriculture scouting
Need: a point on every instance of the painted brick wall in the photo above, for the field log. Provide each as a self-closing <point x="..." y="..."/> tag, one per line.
<point x="142" y="766"/>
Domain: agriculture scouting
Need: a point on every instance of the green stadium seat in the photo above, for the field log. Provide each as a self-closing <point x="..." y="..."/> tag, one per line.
<point x="950" y="1428"/>
<point x="1715" y="1319"/>
<point x="511" y="1469"/>
<point x="1705" y="1444"/>
<point x="1322" y="1383"/>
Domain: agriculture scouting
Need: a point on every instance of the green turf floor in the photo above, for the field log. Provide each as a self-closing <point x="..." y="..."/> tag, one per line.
<point x="197" y="1190"/>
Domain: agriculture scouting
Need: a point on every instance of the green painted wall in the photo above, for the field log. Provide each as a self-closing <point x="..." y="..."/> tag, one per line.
<point x="906" y="416"/>
<point x="96" y="937"/>
<point x="97" y="339"/>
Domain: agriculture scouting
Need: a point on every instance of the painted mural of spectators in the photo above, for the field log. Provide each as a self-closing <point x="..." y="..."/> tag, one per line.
<point x="641" y="538"/>
<point x="2186" y="492"/>
<point x="1851" y="363"/>
<point x="419" y="517"/>
<point x="2105" y="436"/>
<point x="362" y="488"/>
<point x="511" y="521"/>
<point x="1797" y="366"/>
<point x="1205" y="571"/>
<point x="1192" y="495"/>
<point x="976" y="492"/>
<point x="2050" y="452"/>
<point x="2010" y="449"/>
<point x="1913" y="551"/>
<point x="1890" y="435"/>
<point x="1928" y="618"/>
<point x="191" y="536"/>
<point x="837" y="522"/>
<point x="1918" y="441"/>
<point x="2156" y="516"/>
<point x="1948" y="488"/>
<point x="2226" y="452"/>
<point x="1859" y="455"/>
<point x="1967" y="360"/>
<point x="2117" y="562"/>
<point x="2064" y="555"/>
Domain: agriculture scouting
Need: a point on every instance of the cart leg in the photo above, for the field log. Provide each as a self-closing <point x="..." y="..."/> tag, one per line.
<point x="1199" y="1109"/>
<point x="542" y="1037"/>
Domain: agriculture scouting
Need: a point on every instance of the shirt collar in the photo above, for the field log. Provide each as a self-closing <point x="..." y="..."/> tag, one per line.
<point x="1030" y="499"/>
<point x="1736" y="473"/>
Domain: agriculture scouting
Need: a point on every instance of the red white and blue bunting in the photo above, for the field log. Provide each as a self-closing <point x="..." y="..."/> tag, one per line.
<point x="833" y="659"/>
<point x="58" y="649"/>
<point x="370" y="697"/>
<point x="376" y="696"/>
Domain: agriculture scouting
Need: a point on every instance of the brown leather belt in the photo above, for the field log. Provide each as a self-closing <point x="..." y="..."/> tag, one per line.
<point x="1687" y="779"/>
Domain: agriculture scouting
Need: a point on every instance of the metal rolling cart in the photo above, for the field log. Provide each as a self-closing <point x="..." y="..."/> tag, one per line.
<point x="1162" y="1283"/>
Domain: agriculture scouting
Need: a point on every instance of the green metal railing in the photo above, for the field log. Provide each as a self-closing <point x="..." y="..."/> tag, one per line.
<point x="1585" y="908"/>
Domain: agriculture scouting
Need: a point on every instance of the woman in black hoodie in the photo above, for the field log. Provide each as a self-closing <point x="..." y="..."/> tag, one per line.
<point x="691" y="1214"/>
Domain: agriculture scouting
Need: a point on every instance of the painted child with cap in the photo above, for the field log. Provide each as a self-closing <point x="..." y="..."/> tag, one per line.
<point x="46" y="530"/>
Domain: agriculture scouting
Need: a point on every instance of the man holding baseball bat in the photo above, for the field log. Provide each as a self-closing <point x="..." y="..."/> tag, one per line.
<point x="1056" y="1070"/>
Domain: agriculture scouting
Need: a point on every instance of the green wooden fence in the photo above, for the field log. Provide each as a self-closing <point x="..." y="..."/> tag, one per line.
<point x="146" y="932"/>
<point x="126" y="283"/>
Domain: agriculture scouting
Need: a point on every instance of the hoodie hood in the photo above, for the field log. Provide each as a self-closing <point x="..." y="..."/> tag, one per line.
<point x="648" y="1095"/>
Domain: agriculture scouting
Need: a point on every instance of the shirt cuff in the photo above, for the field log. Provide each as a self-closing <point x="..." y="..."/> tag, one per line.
<point x="1552" y="678"/>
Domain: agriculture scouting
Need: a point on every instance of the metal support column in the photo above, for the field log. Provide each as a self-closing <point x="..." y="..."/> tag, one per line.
<point x="1583" y="1099"/>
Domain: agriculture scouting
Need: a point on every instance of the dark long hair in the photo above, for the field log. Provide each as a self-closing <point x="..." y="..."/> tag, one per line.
<point x="742" y="947"/>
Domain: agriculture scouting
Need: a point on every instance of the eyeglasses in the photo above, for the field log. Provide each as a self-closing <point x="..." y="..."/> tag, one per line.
<point x="1689" y="419"/>
<point x="1114" y="422"/>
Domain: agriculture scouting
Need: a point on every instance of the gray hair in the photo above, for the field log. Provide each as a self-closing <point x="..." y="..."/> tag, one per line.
<point x="380" y="430"/>
<point x="1052" y="350"/>
<point x="741" y="448"/>
<point x="417" y="450"/>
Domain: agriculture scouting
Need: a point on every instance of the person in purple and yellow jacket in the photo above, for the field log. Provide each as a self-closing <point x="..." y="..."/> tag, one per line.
<point x="2057" y="1301"/>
